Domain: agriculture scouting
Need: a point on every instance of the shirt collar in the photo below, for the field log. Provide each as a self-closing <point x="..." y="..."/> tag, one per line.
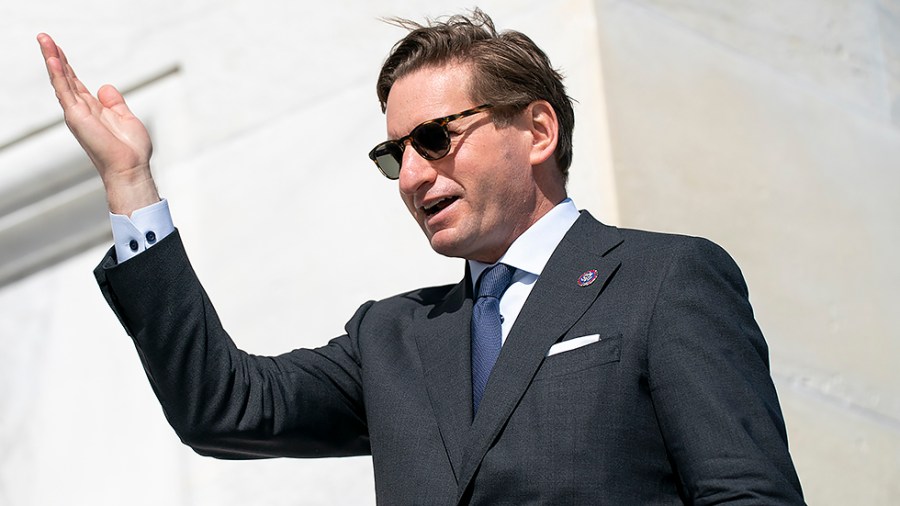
<point x="531" y="251"/>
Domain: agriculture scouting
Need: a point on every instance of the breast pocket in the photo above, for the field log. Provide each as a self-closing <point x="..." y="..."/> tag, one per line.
<point x="605" y="351"/>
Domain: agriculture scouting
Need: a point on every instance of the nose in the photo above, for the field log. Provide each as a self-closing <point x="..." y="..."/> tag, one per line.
<point x="415" y="172"/>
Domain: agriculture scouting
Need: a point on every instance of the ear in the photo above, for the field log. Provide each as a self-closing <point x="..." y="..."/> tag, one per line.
<point x="544" y="128"/>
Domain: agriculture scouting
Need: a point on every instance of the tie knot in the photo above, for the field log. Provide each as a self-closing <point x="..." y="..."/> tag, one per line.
<point x="495" y="281"/>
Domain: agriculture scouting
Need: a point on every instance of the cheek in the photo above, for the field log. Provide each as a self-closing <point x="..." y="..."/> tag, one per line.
<point x="408" y="202"/>
<point x="495" y="173"/>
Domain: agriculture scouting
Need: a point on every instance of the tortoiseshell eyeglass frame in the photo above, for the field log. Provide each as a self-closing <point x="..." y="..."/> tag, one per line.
<point x="388" y="155"/>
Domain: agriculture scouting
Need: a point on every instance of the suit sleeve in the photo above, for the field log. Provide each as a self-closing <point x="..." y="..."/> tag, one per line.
<point x="220" y="400"/>
<point x="711" y="388"/>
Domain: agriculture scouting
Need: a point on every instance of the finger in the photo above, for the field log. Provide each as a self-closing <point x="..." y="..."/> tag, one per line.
<point x="64" y="90"/>
<point x="70" y="72"/>
<point x="52" y="54"/>
<point x="48" y="46"/>
<point x="61" y="83"/>
<point x="62" y="57"/>
<point x="111" y="99"/>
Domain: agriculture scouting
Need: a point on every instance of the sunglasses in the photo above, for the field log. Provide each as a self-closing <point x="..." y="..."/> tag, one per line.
<point x="431" y="140"/>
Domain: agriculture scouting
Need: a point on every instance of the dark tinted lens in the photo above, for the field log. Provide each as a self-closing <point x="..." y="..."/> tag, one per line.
<point x="388" y="156"/>
<point x="431" y="140"/>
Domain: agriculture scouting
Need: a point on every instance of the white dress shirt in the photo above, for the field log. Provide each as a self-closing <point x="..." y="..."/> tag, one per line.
<point x="529" y="254"/>
<point x="146" y="226"/>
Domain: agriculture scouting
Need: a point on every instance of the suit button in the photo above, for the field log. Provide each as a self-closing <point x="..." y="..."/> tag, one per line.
<point x="133" y="245"/>
<point x="151" y="237"/>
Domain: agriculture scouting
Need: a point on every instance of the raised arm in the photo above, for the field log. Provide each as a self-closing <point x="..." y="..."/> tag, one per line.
<point x="115" y="139"/>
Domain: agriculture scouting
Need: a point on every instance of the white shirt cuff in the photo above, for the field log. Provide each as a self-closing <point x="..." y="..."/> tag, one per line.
<point x="147" y="226"/>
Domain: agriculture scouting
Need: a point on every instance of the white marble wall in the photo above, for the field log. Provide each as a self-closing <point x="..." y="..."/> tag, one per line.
<point x="773" y="127"/>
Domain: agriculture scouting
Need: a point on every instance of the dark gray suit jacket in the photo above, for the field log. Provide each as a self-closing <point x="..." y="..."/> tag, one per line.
<point x="673" y="404"/>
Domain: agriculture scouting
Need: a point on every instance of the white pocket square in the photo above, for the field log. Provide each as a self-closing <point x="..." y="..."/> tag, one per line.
<point x="571" y="344"/>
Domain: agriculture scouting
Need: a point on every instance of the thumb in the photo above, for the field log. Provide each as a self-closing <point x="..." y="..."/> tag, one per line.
<point x="110" y="98"/>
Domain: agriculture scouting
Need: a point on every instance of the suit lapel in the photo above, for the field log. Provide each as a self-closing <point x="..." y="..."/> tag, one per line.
<point x="554" y="305"/>
<point x="442" y="337"/>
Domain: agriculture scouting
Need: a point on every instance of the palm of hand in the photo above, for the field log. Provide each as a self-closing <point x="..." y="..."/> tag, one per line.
<point x="115" y="139"/>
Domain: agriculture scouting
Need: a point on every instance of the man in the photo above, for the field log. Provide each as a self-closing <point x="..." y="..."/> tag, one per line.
<point x="575" y="363"/>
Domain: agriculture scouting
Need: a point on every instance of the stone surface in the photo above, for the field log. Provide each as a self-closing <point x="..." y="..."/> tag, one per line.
<point x="770" y="131"/>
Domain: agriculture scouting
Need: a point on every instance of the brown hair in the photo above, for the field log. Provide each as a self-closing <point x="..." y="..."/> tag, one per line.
<point x="509" y="70"/>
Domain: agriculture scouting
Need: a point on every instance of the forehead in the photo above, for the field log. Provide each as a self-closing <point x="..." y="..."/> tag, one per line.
<point x="427" y="93"/>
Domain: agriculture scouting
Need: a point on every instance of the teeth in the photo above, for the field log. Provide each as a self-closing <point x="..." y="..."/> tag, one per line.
<point x="433" y="204"/>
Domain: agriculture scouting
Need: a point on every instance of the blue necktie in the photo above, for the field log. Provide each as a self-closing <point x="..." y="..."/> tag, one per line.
<point x="487" y="330"/>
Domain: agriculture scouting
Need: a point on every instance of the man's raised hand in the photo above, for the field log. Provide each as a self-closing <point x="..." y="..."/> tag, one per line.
<point x="115" y="139"/>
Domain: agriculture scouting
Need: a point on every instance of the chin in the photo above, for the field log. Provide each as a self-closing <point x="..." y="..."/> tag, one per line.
<point x="446" y="250"/>
<point x="447" y="246"/>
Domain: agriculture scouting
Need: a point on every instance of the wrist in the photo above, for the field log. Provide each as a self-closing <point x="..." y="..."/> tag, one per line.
<point x="127" y="193"/>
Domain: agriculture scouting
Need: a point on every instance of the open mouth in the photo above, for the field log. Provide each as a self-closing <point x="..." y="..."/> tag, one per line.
<point x="438" y="206"/>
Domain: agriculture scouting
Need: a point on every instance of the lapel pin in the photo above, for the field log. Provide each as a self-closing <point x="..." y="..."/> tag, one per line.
<point x="588" y="278"/>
